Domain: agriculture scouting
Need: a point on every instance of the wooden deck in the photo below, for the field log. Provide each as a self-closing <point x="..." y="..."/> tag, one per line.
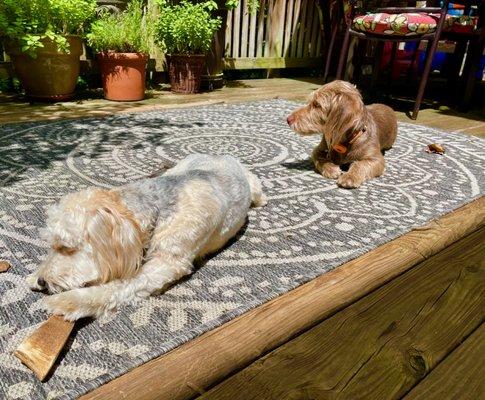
<point x="404" y="320"/>
<point x="421" y="295"/>
<point x="236" y="91"/>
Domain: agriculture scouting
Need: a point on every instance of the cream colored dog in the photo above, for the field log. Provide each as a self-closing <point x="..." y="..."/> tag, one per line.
<point x="110" y="247"/>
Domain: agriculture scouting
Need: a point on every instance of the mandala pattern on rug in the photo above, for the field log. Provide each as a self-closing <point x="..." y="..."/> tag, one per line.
<point x="309" y="226"/>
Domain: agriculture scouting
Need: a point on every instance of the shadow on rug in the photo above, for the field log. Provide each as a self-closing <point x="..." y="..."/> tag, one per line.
<point x="308" y="228"/>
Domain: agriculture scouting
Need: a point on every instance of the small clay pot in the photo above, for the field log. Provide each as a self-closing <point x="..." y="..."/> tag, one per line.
<point x="123" y="75"/>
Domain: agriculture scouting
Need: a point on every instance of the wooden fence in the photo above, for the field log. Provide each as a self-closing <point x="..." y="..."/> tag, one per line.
<point x="281" y="34"/>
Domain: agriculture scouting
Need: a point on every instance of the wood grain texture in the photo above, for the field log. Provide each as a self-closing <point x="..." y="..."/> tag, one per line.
<point x="236" y="31"/>
<point x="289" y="27"/>
<point x="198" y="364"/>
<point x="253" y="27"/>
<point x="244" y="37"/>
<point x="459" y="376"/>
<point x="295" y="27"/>
<point x="260" y="37"/>
<point x="228" y="43"/>
<point x="304" y="10"/>
<point x="40" y="350"/>
<point x="270" y="62"/>
<point x="382" y="345"/>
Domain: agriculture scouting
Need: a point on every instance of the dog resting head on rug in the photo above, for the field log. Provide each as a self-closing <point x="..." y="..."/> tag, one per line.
<point x="353" y="133"/>
<point x="110" y="247"/>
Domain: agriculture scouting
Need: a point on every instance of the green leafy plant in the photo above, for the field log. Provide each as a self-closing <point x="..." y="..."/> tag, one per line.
<point x="130" y="31"/>
<point x="186" y="28"/>
<point x="30" y="22"/>
<point x="253" y="5"/>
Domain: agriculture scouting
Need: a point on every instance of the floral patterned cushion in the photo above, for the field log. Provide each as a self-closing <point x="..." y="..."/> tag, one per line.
<point x="407" y="24"/>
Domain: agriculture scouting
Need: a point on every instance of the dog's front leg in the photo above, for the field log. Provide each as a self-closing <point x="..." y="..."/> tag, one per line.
<point x="96" y="301"/>
<point x="361" y="171"/>
<point x="322" y="162"/>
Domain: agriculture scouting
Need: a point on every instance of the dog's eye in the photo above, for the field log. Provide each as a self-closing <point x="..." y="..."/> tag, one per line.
<point x="315" y="104"/>
<point x="64" y="250"/>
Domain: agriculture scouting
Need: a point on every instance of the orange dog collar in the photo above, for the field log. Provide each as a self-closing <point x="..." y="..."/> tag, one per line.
<point x="342" y="148"/>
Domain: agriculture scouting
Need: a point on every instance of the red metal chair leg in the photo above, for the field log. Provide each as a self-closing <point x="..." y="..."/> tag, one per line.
<point x="471" y="66"/>
<point x="377" y="64"/>
<point x="424" y="77"/>
<point x="330" y="52"/>
<point x="343" y="54"/>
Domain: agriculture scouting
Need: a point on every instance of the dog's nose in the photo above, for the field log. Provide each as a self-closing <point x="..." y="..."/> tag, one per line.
<point x="41" y="282"/>
<point x="290" y="119"/>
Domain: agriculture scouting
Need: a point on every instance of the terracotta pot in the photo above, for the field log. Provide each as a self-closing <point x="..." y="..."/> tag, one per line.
<point x="185" y="72"/>
<point x="52" y="75"/>
<point x="123" y="75"/>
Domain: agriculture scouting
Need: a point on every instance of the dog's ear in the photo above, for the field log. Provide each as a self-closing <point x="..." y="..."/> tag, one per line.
<point x="117" y="242"/>
<point x="345" y="114"/>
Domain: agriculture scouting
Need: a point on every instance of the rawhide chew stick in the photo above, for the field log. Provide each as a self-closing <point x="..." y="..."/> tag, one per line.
<point x="40" y="350"/>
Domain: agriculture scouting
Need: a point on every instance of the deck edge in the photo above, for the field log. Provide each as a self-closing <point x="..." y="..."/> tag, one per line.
<point x="198" y="364"/>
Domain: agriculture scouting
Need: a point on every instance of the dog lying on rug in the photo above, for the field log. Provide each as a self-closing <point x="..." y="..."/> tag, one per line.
<point x="110" y="247"/>
<point x="353" y="133"/>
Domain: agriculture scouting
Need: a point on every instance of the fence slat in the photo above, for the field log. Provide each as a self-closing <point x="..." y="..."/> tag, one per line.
<point x="308" y="29"/>
<point x="236" y="31"/>
<point x="244" y="28"/>
<point x="253" y="25"/>
<point x="261" y="20"/>
<point x="301" y="30"/>
<point x="228" y="44"/>
<point x="314" y="31"/>
<point x="289" y="32"/>
<point x="276" y="28"/>
<point x="267" y="33"/>
<point x="295" y="28"/>
<point x="288" y="27"/>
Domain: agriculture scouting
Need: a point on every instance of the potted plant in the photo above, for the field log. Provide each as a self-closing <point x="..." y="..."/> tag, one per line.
<point x="185" y="31"/>
<point x="122" y="42"/>
<point x="41" y="38"/>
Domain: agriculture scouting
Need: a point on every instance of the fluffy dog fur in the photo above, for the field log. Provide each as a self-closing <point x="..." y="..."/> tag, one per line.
<point x="110" y="247"/>
<point x="337" y="111"/>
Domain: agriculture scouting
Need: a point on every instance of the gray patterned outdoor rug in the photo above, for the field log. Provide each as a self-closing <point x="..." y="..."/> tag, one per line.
<point x="308" y="227"/>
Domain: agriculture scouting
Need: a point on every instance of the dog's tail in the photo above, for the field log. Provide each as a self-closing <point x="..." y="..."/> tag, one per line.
<point x="258" y="198"/>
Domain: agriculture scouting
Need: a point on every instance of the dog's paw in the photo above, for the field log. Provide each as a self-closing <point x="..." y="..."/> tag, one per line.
<point x="72" y="305"/>
<point x="329" y="170"/>
<point x="261" y="201"/>
<point x="349" y="181"/>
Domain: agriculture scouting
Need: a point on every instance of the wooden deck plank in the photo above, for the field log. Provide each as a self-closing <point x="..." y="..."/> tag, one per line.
<point x="382" y="345"/>
<point x="235" y="91"/>
<point x="459" y="376"/>
<point x="198" y="364"/>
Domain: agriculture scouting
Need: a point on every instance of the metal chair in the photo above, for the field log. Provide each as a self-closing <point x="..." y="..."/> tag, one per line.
<point x="431" y="35"/>
<point x="469" y="35"/>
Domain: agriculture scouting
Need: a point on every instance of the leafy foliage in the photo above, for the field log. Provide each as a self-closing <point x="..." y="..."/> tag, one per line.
<point x="130" y="31"/>
<point x="31" y="21"/>
<point x="186" y="28"/>
<point x="253" y="5"/>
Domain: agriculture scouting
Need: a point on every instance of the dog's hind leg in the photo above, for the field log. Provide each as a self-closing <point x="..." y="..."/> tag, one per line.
<point x="258" y="198"/>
